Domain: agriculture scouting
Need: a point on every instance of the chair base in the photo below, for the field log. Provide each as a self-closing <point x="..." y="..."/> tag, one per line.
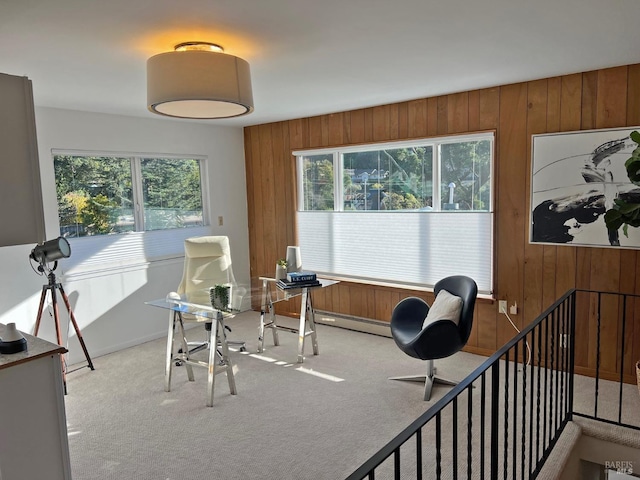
<point x="429" y="380"/>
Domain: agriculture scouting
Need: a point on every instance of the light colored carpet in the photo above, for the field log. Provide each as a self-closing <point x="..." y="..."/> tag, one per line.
<point x="320" y="419"/>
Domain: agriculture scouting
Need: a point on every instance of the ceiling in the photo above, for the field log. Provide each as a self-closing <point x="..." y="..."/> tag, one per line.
<point x="310" y="57"/>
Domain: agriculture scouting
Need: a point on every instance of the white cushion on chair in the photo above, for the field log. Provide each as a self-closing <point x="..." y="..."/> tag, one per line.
<point x="446" y="307"/>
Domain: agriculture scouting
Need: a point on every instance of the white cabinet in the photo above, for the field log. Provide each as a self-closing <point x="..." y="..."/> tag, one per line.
<point x="33" y="425"/>
<point x="22" y="217"/>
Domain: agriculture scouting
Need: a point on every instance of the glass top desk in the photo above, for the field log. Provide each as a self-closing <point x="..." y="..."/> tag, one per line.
<point x="182" y="310"/>
<point x="186" y="310"/>
<point x="307" y="327"/>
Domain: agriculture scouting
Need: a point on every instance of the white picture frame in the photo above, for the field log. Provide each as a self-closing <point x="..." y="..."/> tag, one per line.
<point x="575" y="177"/>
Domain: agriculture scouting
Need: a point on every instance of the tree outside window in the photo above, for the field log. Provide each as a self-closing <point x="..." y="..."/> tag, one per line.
<point x="97" y="194"/>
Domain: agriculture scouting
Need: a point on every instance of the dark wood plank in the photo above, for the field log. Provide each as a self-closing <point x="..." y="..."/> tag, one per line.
<point x="511" y="175"/>
<point x="474" y="110"/>
<point x="458" y="113"/>
<point x="611" y="101"/>
<point x="336" y="129"/>
<point x="443" y="115"/>
<point x="432" y="116"/>
<point x="368" y="125"/>
<point x="381" y="123"/>
<point x="403" y="120"/>
<point x="535" y="265"/>
<point x="489" y="108"/>
<point x="571" y="102"/>
<point x="417" y="113"/>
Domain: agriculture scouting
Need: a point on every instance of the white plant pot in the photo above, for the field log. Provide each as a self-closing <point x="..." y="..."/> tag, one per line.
<point x="281" y="272"/>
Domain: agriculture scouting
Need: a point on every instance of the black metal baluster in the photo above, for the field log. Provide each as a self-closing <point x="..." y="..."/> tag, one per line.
<point x="595" y="411"/>
<point x="524" y="406"/>
<point x="567" y="348"/>
<point x="506" y="414"/>
<point x="538" y="393"/>
<point x="572" y="352"/>
<point x="532" y="345"/>
<point x="514" y="449"/>
<point x="469" y="429"/>
<point x="622" y="338"/>
<point x="495" y="406"/>
<point x="482" y="420"/>
<point x="563" y="363"/>
<point x="396" y="463"/>
<point x="546" y="375"/>
<point x="556" y="370"/>
<point x="419" y="454"/>
<point x="438" y="447"/>
<point x="454" y="439"/>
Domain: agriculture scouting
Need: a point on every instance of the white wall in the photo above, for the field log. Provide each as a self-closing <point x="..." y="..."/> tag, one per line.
<point x="109" y="305"/>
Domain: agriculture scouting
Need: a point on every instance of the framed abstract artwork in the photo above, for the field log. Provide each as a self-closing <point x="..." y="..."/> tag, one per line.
<point x="575" y="177"/>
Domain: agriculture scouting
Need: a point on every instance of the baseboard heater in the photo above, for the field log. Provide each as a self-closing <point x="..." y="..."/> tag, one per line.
<point x="349" y="322"/>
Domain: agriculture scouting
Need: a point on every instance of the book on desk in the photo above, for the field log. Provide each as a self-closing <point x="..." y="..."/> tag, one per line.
<point x="298" y="280"/>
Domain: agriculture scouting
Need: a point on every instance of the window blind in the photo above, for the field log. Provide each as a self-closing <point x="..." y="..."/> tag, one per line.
<point x="107" y="252"/>
<point x="412" y="248"/>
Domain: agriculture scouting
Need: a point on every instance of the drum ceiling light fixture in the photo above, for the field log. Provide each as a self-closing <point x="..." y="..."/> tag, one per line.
<point x="198" y="80"/>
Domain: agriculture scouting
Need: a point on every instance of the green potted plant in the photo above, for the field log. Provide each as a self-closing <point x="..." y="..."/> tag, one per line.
<point x="624" y="214"/>
<point x="281" y="269"/>
<point x="220" y="295"/>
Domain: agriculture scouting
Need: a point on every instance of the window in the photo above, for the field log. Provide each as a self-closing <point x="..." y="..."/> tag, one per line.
<point x="105" y="195"/>
<point x="407" y="212"/>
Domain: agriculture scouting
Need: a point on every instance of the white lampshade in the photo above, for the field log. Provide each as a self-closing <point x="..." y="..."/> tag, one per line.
<point x="294" y="259"/>
<point x="198" y="83"/>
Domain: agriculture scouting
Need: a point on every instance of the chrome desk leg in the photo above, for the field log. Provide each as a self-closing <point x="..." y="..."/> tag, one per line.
<point x="303" y="324"/>
<point x="227" y="361"/>
<point x="211" y="374"/>
<point x="185" y="348"/>
<point x="169" y="360"/>
<point x="267" y="306"/>
<point x="218" y="335"/>
<point x="312" y="325"/>
<point x="272" y="317"/>
<point x="263" y="311"/>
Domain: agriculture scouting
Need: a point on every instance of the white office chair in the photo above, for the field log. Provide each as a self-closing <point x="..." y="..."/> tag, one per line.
<point x="207" y="262"/>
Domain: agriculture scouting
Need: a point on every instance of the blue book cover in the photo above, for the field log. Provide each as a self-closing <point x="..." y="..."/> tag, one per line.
<point x="301" y="277"/>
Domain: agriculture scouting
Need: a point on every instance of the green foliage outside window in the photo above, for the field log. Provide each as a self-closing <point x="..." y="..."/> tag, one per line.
<point x="96" y="194"/>
<point x="467" y="166"/>
<point x="401" y="178"/>
<point x="171" y="191"/>
<point x="318" y="182"/>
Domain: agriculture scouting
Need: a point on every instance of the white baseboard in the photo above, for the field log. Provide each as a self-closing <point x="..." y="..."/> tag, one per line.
<point x="365" y="325"/>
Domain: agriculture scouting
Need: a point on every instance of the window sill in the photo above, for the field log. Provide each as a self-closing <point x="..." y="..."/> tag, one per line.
<point x="398" y="286"/>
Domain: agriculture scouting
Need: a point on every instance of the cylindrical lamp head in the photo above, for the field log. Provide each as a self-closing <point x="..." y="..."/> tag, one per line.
<point x="198" y="84"/>
<point x="51" y="251"/>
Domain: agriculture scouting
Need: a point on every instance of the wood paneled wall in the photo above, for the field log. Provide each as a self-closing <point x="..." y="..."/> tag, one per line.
<point x="532" y="276"/>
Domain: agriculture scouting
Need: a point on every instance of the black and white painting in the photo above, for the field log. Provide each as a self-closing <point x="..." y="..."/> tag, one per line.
<point x="575" y="178"/>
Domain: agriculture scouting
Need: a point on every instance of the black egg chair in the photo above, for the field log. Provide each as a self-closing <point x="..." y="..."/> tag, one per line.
<point x="442" y="337"/>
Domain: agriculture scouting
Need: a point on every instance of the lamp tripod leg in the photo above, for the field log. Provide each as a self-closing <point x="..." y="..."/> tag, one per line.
<point x="56" y="318"/>
<point x="75" y="326"/>
<point x="43" y="297"/>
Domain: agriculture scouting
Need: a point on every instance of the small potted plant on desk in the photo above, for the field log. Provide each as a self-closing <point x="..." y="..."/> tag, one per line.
<point x="221" y="297"/>
<point x="281" y="269"/>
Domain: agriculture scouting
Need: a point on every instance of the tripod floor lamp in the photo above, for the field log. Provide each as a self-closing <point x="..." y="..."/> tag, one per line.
<point x="45" y="254"/>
